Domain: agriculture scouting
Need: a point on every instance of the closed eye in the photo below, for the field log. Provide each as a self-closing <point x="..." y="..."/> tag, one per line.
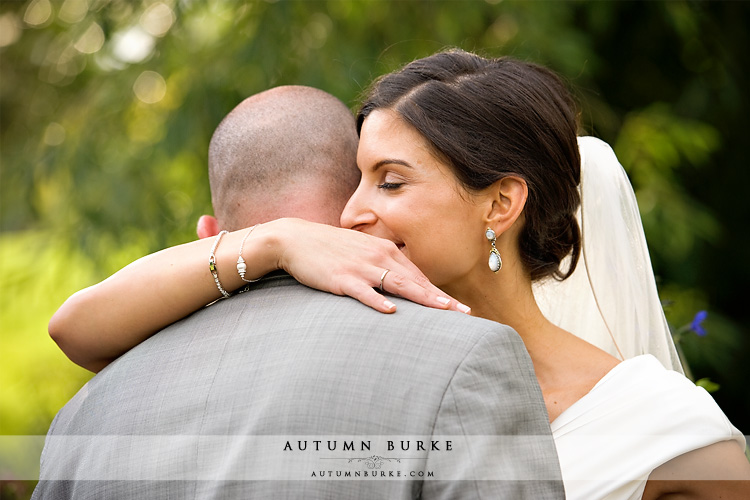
<point x="390" y="185"/>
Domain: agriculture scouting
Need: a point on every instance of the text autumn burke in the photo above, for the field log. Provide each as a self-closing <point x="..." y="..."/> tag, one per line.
<point x="321" y="445"/>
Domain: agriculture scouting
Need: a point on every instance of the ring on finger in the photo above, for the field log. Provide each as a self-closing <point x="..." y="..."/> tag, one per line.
<point x="382" y="277"/>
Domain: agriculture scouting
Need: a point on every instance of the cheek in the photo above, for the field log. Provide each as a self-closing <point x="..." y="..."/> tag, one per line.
<point x="444" y="252"/>
<point x="442" y="239"/>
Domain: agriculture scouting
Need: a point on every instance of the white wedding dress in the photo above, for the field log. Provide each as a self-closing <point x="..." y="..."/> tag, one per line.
<point x="644" y="412"/>
<point x="639" y="416"/>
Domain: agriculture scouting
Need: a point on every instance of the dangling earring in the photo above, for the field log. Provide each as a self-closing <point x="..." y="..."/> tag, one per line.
<point x="495" y="262"/>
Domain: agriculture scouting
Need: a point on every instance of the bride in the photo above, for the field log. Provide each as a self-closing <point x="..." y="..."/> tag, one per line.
<point x="471" y="170"/>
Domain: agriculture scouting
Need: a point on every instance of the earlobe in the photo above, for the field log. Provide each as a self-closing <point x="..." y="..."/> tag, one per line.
<point x="207" y="226"/>
<point x="508" y="199"/>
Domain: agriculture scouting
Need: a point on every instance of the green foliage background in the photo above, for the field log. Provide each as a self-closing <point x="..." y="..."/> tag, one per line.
<point x="107" y="107"/>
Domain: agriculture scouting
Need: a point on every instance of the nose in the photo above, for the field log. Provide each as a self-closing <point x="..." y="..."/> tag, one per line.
<point x="357" y="214"/>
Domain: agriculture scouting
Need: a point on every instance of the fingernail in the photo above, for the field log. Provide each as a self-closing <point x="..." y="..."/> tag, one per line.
<point x="443" y="301"/>
<point x="464" y="308"/>
<point x="388" y="304"/>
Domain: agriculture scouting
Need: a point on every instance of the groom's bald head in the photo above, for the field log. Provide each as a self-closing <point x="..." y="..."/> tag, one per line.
<point x="286" y="152"/>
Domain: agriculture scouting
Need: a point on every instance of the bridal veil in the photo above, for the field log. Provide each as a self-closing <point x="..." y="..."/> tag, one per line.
<point x="611" y="299"/>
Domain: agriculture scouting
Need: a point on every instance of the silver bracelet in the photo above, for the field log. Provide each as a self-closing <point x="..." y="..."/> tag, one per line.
<point x="241" y="266"/>
<point x="212" y="264"/>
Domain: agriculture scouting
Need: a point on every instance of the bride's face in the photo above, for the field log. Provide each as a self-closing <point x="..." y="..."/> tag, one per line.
<point x="409" y="197"/>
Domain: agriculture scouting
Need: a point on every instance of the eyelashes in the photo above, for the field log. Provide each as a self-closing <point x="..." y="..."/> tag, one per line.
<point x="389" y="186"/>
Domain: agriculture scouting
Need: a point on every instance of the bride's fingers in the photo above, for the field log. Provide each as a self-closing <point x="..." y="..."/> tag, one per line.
<point x="366" y="291"/>
<point x="421" y="291"/>
<point x="369" y="297"/>
<point x="398" y="275"/>
<point x="407" y="281"/>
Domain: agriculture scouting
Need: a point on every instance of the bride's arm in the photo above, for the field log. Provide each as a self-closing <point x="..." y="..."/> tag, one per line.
<point x="719" y="470"/>
<point x="98" y="324"/>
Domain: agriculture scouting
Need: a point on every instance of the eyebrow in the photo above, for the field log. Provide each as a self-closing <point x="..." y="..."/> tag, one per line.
<point x="390" y="161"/>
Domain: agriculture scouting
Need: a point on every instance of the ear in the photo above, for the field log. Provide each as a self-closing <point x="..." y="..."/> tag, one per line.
<point x="508" y="199"/>
<point x="207" y="226"/>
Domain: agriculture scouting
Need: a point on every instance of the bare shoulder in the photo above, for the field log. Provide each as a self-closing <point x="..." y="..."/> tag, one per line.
<point x="597" y="362"/>
<point x="720" y="470"/>
<point x="580" y="367"/>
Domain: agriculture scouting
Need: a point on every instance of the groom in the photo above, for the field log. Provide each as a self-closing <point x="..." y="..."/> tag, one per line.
<point x="288" y="392"/>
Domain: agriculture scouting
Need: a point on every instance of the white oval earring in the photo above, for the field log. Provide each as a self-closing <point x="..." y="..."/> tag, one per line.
<point x="495" y="262"/>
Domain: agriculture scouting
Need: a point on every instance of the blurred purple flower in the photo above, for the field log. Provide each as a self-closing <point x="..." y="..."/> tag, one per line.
<point x="697" y="324"/>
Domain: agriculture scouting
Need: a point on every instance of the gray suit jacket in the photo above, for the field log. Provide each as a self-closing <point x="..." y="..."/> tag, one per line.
<point x="287" y="392"/>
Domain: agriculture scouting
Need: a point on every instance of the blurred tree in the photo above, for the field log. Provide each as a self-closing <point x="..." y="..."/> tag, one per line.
<point x="674" y="106"/>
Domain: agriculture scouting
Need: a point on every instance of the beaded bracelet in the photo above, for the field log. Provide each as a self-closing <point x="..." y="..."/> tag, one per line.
<point x="212" y="264"/>
<point x="241" y="266"/>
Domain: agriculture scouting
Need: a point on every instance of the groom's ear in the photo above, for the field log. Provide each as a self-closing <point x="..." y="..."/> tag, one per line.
<point x="207" y="226"/>
<point x="507" y="200"/>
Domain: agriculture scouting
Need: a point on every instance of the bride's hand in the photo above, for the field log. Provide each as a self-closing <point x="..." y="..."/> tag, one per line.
<point x="347" y="262"/>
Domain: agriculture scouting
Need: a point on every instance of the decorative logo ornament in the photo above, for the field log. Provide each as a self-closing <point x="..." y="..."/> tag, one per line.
<point x="375" y="461"/>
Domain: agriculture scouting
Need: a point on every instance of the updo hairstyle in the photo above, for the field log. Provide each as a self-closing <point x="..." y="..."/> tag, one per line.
<point x="492" y="118"/>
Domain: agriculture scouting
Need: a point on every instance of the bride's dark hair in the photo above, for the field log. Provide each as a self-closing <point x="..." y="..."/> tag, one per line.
<point x="491" y="118"/>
